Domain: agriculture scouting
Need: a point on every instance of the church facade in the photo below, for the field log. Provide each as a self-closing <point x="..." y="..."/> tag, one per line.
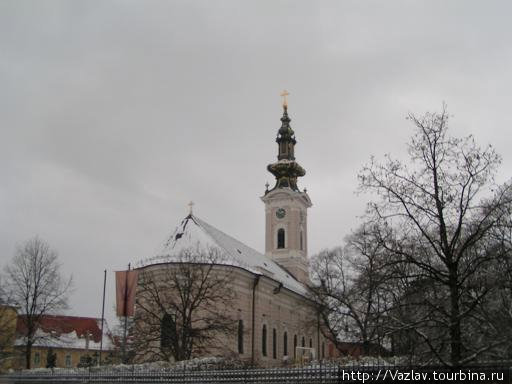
<point x="274" y="320"/>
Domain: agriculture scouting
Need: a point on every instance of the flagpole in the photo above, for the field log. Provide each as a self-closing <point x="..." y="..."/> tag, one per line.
<point x="125" y="313"/>
<point x="103" y="313"/>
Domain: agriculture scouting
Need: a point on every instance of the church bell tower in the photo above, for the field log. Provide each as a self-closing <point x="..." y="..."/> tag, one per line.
<point x="286" y="206"/>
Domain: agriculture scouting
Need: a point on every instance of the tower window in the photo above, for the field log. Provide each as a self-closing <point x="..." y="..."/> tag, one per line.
<point x="284" y="148"/>
<point x="240" y="336"/>
<point x="264" y="341"/>
<point x="301" y="242"/>
<point x="280" y="238"/>
<point x="303" y="344"/>
<point x="285" y="344"/>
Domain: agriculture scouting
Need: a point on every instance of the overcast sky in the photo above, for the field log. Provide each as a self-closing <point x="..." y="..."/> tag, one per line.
<point x="115" y="114"/>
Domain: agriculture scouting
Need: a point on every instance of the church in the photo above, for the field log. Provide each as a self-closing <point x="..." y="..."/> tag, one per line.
<point x="275" y="321"/>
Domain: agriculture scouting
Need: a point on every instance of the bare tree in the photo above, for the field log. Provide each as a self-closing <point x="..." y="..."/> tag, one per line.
<point x="182" y="306"/>
<point x="37" y="287"/>
<point x="352" y="291"/>
<point x="437" y="211"/>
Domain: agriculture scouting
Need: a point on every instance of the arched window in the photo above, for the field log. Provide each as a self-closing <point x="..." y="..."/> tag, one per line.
<point x="301" y="242"/>
<point x="303" y="344"/>
<point x="167" y="331"/>
<point x="284" y="148"/>
<point x="294" y="346"/>
<point x="274" y="343"/>
<point x="310" y="343"/>
<point x="290" y="149"/>
<point x="280" y="238"/>
<point x="323" y="350"/>
<point x="264" y="340"/>
<point x="285" y="344"/>
<point x="240" y="336"/>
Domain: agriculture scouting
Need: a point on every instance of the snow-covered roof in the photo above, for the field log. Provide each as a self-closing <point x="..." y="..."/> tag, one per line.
<point x="193" y="232"/>
<point x="66" y="332"/>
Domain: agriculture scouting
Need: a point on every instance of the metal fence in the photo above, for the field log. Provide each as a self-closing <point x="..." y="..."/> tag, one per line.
<point x="315" y="375"/>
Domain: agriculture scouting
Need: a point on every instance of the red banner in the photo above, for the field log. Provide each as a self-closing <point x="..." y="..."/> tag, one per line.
<point x="126" y="284"/>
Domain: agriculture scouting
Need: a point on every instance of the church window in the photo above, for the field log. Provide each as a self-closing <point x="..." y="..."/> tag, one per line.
<point x="303" y="344"/>
<point x="285" y="344"/>
<point x="301" y="242"/>
<point x="323" y="350"/>
<point x="264" y="340"/>
<point x="167" y="329"/>
<point x="294" y="346"/>
<point x="280" y="238"/>
<point x="240" y="336"/>
<point x="274" y="343"/>
<point x="310" y="343"/>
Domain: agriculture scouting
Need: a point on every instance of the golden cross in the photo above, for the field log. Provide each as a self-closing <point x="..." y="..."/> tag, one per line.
<point x="191" y="205"/>
<point x="284" y="95"/>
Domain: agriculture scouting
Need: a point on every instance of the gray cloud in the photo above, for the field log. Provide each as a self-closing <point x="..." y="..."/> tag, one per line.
<point x="116" y="114"/>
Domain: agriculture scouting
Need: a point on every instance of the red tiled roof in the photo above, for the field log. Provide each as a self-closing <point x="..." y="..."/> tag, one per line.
<point x="64" y="324"/>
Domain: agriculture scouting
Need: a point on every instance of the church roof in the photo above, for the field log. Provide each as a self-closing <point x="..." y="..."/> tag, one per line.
<point x="193" y="232"/>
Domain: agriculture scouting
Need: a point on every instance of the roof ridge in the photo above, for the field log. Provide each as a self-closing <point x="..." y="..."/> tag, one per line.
<point x="245" y="245"/>
<point x="201" y="223"/>
<point x="193" y="231"/>
<point x="224" y="233"/>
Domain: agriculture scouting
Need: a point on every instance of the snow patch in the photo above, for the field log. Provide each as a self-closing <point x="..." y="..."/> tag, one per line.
<point x="193" y="233"/>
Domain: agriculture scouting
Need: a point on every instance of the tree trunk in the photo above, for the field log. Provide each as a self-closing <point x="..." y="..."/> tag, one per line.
<point x="28" y="355"/>
<point x="455" y="332"/>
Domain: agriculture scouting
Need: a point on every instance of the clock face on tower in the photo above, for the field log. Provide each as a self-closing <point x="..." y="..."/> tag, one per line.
<point x="280" y="213"/>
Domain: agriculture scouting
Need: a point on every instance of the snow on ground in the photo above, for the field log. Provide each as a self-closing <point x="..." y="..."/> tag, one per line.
<point x="203" y="363"/>
<point x="210" y="363"/>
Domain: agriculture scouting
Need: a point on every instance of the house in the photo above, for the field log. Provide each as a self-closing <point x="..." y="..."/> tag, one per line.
<point x="8" y="315"/>
<point x="74" y="341"/>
